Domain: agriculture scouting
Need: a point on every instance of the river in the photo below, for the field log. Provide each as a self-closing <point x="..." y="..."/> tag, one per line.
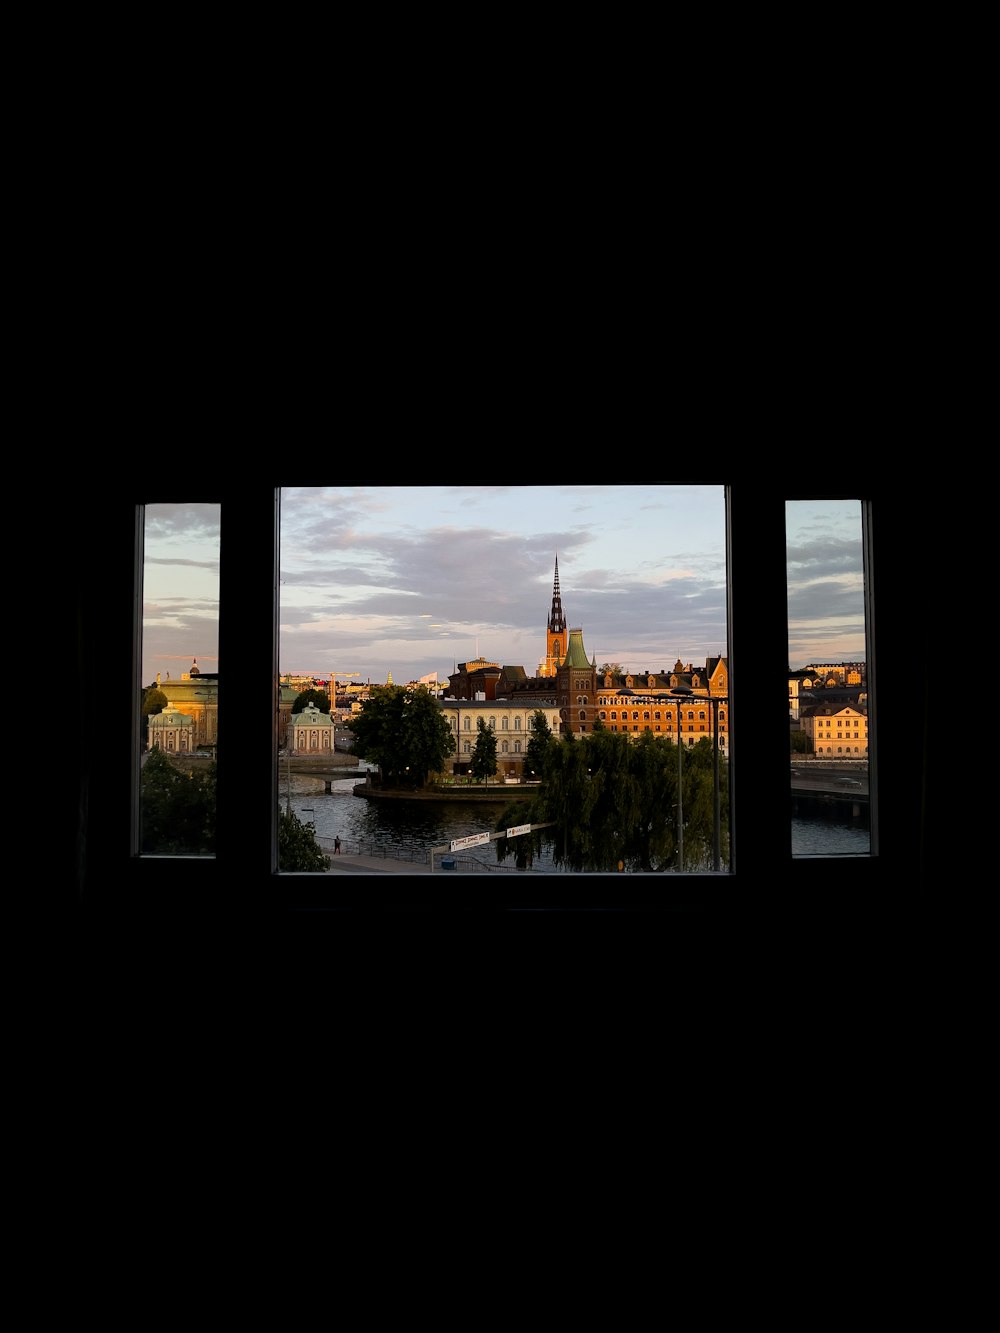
<point x="407" y="830"/>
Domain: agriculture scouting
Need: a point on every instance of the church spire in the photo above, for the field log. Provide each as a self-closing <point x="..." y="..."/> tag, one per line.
<point x="557" y="621"/>
<point x="555" y="631"/>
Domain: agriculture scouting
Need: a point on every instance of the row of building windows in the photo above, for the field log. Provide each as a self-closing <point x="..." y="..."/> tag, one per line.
<point x="492" y="724"/>
<point x="504" y="747"/>
<point x="658" y="716"/>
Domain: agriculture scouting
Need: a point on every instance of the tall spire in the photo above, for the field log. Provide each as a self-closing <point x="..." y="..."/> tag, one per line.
<point x="555" y="632"/>
<point x="557" y="621"/>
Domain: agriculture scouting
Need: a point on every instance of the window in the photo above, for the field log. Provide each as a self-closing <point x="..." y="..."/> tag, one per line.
<point x="827" y="595"/>
<point x="106" y="542"/>
<point x="179" y="673"/>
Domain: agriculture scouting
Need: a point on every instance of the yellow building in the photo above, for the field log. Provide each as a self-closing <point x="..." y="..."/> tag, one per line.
<point x="196" y="694"/>
<point x="637" y="702"/>
<point x="835" y="730"/>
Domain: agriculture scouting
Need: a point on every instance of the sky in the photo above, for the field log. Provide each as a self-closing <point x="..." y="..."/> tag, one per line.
<point x="415" y="580"/>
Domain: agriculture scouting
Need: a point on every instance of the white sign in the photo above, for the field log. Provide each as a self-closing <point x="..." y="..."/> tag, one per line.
<point x="518" y="829"/>
<point x="474" y="840"/>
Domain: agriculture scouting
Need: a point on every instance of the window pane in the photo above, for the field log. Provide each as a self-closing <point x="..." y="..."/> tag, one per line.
<point x="180" y="679"/>
<point x="827" y="678"/>
<point x="482" y="597"/>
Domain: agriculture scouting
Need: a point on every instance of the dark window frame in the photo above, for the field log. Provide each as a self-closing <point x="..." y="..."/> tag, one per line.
<point x="241" y="879"/>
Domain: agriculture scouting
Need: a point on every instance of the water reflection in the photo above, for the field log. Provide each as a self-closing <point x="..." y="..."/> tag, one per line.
<point x="403" y="829"/>
<point x="407" y="830"/>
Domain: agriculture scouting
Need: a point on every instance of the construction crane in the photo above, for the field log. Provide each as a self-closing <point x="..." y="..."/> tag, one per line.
<point x="334" y="680"/>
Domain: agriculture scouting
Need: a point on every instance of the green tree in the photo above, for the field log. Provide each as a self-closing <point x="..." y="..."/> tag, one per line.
<point x="614" y="667"/>
<point x="153" y="701"/>
<point x="297" y="845"/>
<point x="798" y="742"/>
<point x="612" y="800"/>
<point x="484" y="752"/>
<point x="539" y="743"/>
<point x="404" y="731"/>
<point x="177" y="808"/>
<point x="318" y="697"/>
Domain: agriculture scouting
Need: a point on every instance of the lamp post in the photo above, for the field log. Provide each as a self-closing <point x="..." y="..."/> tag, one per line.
<point x="682" y="692"/>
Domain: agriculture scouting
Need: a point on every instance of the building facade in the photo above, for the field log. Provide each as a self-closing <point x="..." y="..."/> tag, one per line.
<point x="196" y="694"/>
<point x="311" y="732"/>
<point x="171" y="731"/>
<point x="509" y="719"/>
<point x="836" y="730"/>
<point x="636" y="702"/>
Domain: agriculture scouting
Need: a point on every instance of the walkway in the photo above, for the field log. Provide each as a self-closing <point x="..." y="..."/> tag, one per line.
<point x="378" y="865"/>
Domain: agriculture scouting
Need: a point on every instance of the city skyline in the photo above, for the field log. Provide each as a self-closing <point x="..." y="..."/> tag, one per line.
<point x="415" y="580"/>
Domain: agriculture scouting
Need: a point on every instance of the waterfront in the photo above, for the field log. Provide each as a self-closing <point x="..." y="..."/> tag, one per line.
<point x="407" y="830"/>
<point x="403" y="830"/>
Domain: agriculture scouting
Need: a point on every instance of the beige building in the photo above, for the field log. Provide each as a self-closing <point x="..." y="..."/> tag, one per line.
<point x="311" y="732"/>
<point x="171" y="731"/>
<point x="510" y="721"/>
<point x="836" y="730"/>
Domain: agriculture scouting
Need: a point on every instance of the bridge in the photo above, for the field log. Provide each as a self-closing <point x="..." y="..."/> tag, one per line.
<point x="818" y="781"/>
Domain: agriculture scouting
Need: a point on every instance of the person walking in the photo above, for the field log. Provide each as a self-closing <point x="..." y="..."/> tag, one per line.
<point x="336" y="845"/>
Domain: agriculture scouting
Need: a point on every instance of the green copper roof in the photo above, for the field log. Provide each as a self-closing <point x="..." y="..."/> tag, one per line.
<point x="576" y="655"/>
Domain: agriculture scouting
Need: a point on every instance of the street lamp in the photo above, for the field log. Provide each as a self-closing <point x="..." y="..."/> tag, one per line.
<point x="683" y="692"/>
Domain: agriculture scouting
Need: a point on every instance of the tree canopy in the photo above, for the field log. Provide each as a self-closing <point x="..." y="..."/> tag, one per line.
<point x="404" y="731"/>
<point x="613" y="802"/>
<point x="177" y="808"/>
<point x="539" y="744"/>
<point x="484" y="753"/>
<point x="311" y="696"/>
<point x="153" y="701"/>
<point x="297" y="845"/>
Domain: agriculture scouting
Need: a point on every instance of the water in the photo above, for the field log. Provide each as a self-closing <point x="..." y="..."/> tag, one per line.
<point x="407" y="830"/>
<point x="827" y="837"/>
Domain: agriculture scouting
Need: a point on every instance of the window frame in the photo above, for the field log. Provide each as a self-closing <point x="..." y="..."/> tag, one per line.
<point x="243" y="878"/>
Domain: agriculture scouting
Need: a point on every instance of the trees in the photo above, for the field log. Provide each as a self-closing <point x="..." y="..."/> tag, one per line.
<point x="177" y="809"/>
<point x="297" y="845"/>
<point x="318" y="697"/>
<point x="539" y="743"/>
<point x="484" y="754"/>
<point x="613" y="802"/>
<point x="153" y="701"/>
<point x="178" y="815"/>
<point x="403" y="731"/>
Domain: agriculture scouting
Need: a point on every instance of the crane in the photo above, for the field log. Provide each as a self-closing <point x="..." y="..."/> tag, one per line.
<point x="335" y="680"/>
